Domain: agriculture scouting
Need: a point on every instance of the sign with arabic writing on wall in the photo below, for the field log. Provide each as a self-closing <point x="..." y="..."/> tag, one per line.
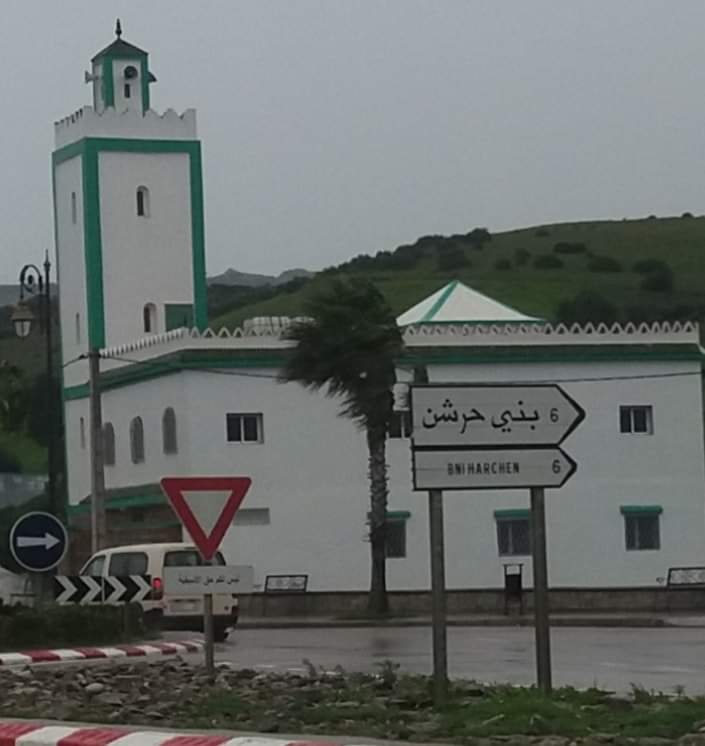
<point x="206" y="579"/>
<point x="475" y="415"/>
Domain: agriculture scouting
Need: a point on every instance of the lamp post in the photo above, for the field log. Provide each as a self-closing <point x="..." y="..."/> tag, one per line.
<point x="36" y="283"/>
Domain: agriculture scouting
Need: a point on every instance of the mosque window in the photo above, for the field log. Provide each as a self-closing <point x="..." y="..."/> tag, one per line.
<point x="149" y="318"/>
<point x="108" y="444"/>
<point x="74" y="208"/>
<point x="137" y="441"/>
<point x="169" y="431"/>
<point x="143" y="202"/>
<point x="128" y="91"/>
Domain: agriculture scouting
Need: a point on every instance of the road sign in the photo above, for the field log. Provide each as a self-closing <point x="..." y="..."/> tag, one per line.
<point x="88" y="589"/>
<point x="206" y="506"/>
<point x="38" y="541"/>
<point x="491" y="468"/>
<point x="472" y="415"/>
<point x="197" y="581"/>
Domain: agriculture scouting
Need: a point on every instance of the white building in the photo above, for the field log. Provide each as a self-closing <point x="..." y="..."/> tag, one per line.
<point x="180" y="399"/>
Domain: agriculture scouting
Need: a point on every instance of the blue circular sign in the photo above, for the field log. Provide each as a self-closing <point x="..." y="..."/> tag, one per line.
<point x="38" y="541"/>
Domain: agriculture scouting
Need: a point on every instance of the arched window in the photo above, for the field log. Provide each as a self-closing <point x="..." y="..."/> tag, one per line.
<point x="78" y="328"/>
<point x="74" y="208"/>
<point x="169" y="431"/>
<point x="143" y="201"/>
<point x="149" y="317"/>
<point x="108" y="444"/>
<point x="137" y="440"/>
<point x="82" y="432"/>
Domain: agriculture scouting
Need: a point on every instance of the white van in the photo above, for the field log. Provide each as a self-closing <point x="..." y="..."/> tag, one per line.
<point x="173" y="612"/>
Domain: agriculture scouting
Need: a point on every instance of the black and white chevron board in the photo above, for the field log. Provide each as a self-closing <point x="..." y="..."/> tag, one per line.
<point x="115" y="589"/>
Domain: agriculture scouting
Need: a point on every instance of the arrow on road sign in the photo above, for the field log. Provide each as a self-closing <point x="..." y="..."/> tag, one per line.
<point x="47" y="541"/>
<point x="38" y="541"/>
<point x="124" y="588"/>
<point x="77" y="590"/>
<point x="491" y="468"/>
<point x="217" y="510"/>
<point x="474" y="415"/>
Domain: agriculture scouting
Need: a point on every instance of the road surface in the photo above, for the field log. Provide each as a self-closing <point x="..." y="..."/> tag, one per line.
<point x="613" y="658"/>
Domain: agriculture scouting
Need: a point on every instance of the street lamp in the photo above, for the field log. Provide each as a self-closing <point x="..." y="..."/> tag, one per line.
<point x="37" y="284"/>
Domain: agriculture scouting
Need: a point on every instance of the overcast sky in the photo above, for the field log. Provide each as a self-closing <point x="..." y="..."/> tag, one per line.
<point x="337" y="127"/>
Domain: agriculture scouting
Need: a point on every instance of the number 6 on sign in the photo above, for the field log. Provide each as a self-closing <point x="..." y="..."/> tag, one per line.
<point x="556" y="466"/>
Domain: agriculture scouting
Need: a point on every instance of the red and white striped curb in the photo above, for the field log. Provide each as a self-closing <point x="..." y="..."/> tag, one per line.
<point x="30" y="734"/>
<point x="116" y="651"/>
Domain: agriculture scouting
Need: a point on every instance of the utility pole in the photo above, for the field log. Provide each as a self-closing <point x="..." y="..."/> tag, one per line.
<point x="543" y="630"/>
<point x="98" y="527"/>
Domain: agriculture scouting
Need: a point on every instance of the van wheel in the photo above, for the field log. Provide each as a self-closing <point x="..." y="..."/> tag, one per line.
<point x="220" y="634"/>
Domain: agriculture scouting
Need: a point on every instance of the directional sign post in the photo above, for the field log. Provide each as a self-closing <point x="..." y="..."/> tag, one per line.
<point x="38" y="541"/>
<point x="206" y="507"/>
<point x="487" y="436"/>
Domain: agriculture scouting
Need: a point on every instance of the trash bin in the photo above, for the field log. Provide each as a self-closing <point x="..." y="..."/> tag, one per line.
<point x="513" y="587"/>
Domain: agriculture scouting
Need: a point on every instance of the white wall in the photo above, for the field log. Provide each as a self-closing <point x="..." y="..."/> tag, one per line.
<point x="311" y="473"/>
<point x="71" y="267"/>
<point x="145" y="259"/>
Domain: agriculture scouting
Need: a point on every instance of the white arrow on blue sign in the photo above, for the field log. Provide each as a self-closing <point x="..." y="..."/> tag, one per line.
<point x="38" y="541"/>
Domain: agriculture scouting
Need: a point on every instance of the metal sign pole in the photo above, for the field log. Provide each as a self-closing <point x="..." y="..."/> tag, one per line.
<point x="208" y="631"/>
<point x="541" y="621"/>
<point x="438" y="598"/>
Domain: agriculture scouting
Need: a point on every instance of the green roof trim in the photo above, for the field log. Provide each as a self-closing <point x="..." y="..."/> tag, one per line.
<point x="398" y="515"/>
<point x="511" y="513"/>
<point x="641" y="509"/>
<point x="194" y="359"/>
<point x="122" y="498"/>
<point x="440" y="301"/>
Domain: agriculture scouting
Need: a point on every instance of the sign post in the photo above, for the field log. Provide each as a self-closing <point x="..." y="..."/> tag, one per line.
<point x="183" y="494"/>
<point x="541" y="621"/>
<point x="438" y="598"/>
<point x="484" y="437"/>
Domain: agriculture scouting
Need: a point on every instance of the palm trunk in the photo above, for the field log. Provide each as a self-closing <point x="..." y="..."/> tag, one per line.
<point x="376" y="444"/>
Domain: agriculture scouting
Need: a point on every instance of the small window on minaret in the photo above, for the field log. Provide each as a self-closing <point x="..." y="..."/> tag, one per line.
<point x="149" y="313"/>
<point x="127" y="90"/>
<point x="78" y="328"/>
<point x="143" y="202"/>
<point x="74" y="210"/>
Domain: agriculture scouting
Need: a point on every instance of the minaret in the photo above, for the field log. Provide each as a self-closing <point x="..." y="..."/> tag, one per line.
<point x="128" y="204"/>
<point x="120" y="76"/>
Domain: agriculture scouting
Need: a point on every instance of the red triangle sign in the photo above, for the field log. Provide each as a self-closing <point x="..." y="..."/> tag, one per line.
<point x="174" y="488"/>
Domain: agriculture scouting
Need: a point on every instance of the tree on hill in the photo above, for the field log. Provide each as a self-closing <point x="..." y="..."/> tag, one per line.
<point x="587" y="307"/>
<point x="348" y="346"/>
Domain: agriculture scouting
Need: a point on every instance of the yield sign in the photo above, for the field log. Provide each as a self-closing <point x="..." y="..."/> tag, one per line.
<point x="183" y="494"/>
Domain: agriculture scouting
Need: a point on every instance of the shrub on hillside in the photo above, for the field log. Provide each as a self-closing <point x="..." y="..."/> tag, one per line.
<point x="542" y="232"/>
<point x="660" y="281"/>
<point x="521" y="256"/>
<point x="478" y="237"/>
<point x="646" y="266"/>
<point x="587" y="307"/>
<point x="687" y="215"/>
<point x="503" y="265"/>
<point x="547" y="261"/>
<point x="452" y="258"/>
<point x="568" y="247"/>
<point x="604" y="264"/>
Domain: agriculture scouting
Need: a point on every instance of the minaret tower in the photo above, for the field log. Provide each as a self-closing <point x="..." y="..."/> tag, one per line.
<point x="128" y="206"/>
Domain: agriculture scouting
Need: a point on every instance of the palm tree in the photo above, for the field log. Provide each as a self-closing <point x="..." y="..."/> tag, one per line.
<point x="348" y="344"/>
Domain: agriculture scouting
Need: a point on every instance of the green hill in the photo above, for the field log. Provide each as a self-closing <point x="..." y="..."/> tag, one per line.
<point x="514" y="267"/>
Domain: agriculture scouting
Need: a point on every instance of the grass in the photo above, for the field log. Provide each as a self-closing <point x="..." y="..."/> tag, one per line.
<point x="678" y="241"/>
<point x="364" y="706"/>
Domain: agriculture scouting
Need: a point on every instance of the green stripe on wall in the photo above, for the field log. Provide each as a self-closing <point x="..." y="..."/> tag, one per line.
<point x="511" y="513"/>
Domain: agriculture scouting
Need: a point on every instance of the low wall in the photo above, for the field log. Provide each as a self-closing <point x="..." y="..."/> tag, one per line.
<point x="475" y="601"/>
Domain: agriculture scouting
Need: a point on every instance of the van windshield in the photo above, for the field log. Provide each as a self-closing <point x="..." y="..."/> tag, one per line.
<point x="189" y="558"/>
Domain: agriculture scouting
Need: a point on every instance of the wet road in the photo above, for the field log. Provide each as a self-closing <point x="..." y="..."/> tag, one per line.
<point x="613" y="658"/>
